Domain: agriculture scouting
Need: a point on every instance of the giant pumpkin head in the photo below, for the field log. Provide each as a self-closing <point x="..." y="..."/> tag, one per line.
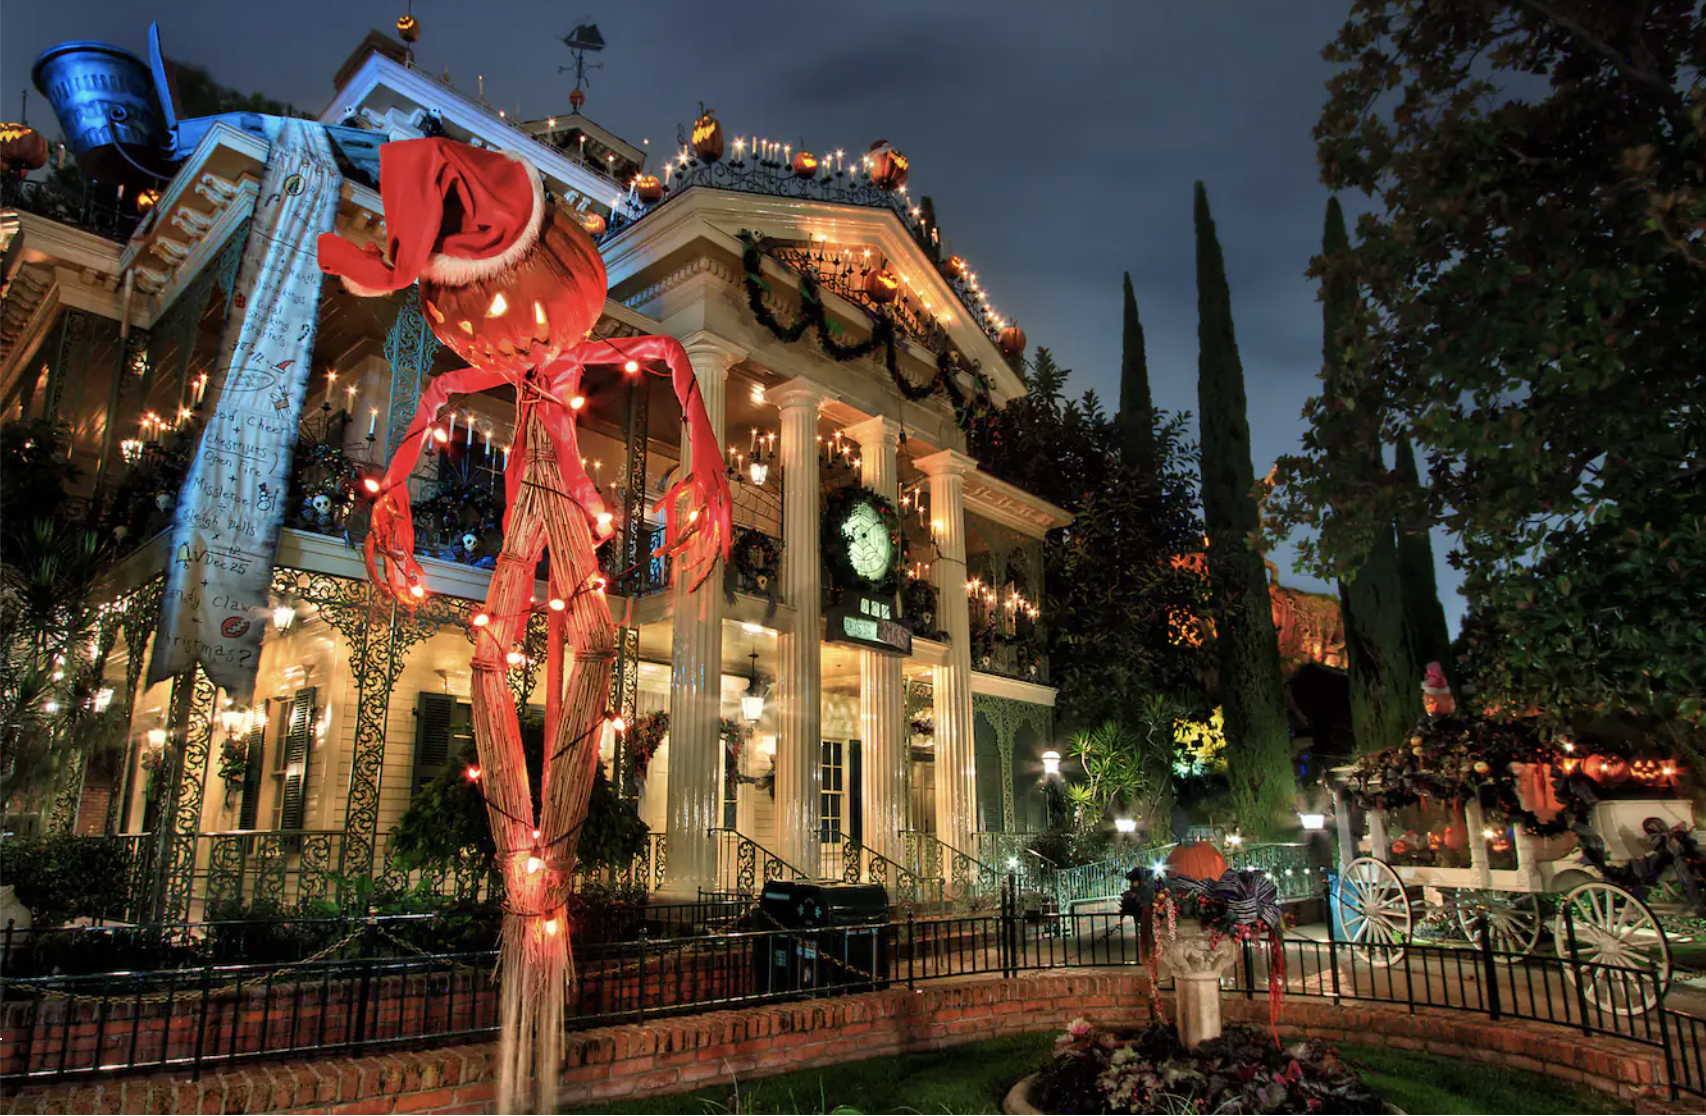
<point x="507" y="281"/>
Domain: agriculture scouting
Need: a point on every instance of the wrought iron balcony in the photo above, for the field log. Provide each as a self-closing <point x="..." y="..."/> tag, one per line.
<point x="78" y="208"/>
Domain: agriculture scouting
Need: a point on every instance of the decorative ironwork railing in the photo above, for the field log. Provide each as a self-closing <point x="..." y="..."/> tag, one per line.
<point x="645" y="872"/>
<point x="278" y="869"/>
<point x="744" y="866"/>
<point x="861" y="864"/>
<point x="80" y="209"/>
<point x="966" y="876"/>
<point x="1014" y="656"/>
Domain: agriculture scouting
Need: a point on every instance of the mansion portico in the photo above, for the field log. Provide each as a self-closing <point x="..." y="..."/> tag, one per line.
<point x="815" y="726"/>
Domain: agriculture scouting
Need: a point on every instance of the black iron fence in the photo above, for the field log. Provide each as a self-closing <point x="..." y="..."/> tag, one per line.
<point x="371" y="984"/>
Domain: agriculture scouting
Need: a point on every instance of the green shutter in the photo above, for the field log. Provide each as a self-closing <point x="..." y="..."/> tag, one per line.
<point x="435" y="723"/>
<point x="298" y="739"/>
<point x="253" y="772"/>
<point x="854" y="824"/>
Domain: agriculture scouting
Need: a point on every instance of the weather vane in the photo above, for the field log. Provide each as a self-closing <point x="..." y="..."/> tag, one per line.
<point x="583" y="38"/>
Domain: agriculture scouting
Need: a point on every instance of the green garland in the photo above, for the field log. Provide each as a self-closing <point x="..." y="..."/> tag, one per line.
<point x="969" y="410"/>
<point x="835" y="508"/>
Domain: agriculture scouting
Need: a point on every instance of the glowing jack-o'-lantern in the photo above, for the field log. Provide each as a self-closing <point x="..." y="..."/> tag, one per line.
<point x="1606" y="770"/>
<point x="804" y="164"/>
<point x="146" y="200"/>
<point x="22" y="148"/>
<point x="1011" y="340"/>
<point x="648" y="189"/>
<point x="1650" y="770"/>
<point x="1201" y="861"/>
<point x="888" y="167"/>
<point x="881" y="286"/>
<point x="408" y="29"/>
<point x="530" y="314"/>
<point x="953" y="267"/>
<point x="593" y="222"/>
<point x="707" y="137"/>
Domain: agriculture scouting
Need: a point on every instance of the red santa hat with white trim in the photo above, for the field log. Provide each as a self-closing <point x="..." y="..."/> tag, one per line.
<point x="454" y="214"/>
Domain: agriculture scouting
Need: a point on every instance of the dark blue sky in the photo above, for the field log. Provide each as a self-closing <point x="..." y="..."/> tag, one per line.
<point x="1059" y="142"/>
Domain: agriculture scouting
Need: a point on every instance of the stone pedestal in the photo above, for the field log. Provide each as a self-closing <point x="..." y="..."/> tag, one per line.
<point x="1195" y="966"/>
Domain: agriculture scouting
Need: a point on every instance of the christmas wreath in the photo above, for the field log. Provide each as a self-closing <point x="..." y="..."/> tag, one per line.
<point x="918" y="609"/>
<point x="835" y="549"/>
<point x="970" y="409"/>
<point x="755" y="561"/>
<point x="639" y="744"/>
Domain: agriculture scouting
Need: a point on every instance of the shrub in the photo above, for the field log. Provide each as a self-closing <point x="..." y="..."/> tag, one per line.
<point x="63" y="877"/>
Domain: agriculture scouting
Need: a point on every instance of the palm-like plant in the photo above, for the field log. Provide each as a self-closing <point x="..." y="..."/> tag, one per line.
<point x="1128" y="764"/>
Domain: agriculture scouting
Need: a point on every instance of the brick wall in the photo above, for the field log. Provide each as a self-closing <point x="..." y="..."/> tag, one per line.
<point x="667" y="1056"/>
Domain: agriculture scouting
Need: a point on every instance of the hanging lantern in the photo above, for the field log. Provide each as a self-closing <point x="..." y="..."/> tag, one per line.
<point x="888" y="166"/>
<point x="707" y="136"/>
<point x="954" y="267"/>
<point x="532" y="312"/>
<point x="804" y="164"/>
<point x="593" y="222"/>
<point x="22" y="148"/>
<point x="409" y="29"/>
<point x="1201" y="861"/>
<point x="648" y="189"/>
<point x="1011" y="340"/>
<point x="881" y="286"/>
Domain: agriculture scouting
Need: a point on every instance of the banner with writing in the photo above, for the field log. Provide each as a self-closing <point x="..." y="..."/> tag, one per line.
<point x="226" y="524"/>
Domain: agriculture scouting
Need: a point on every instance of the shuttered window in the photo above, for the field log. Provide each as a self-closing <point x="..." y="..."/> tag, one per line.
<point x="444" y="728"/>
<point x="254" y="773"/>
<point x="294" y="748"/>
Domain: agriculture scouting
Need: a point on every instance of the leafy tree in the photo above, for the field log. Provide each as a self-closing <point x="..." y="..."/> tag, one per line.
<point x="1383" y="671"/>
<point x="1128" y="766"/>
<point x="199" y="95"/>
<point x="1113" y="597"/>
<point x="1534" y="277"/>
<point x="1137" y="406"/>
<point x="1423" y="612"/>
<point x="1252" y="690"/>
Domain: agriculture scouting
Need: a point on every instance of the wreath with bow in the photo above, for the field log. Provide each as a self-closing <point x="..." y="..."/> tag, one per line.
<point x="836" y="508"/>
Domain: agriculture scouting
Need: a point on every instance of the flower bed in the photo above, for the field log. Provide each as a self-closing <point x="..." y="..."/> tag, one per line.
<point x="1150" y="1070"/>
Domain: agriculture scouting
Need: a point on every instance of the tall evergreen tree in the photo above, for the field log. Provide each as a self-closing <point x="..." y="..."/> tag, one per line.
<point x="1258" y="744"/>
<point x="1422" y="608"/>
<point x="1385" y="676"/>
<point x="1137" y="406"/>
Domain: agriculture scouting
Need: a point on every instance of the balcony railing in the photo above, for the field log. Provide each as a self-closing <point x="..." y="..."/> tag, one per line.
<point x="860" y="864"/>
<point x="79" y="208"/>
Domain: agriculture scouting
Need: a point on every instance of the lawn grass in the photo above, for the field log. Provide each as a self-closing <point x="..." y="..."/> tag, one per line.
<point x="974" y="1078"/>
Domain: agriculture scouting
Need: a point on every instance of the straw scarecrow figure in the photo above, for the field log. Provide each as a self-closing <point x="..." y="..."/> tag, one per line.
<point x="514" y="286"/>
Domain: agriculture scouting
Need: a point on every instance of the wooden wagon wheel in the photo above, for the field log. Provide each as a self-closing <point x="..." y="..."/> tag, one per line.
<point x="1375" y="910"/>
<point x="1614" y="932"/>
<point x="1513" y="921"/>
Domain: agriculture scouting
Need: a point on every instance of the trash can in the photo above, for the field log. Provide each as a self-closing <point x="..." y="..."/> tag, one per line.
<point x="833" y="943"/>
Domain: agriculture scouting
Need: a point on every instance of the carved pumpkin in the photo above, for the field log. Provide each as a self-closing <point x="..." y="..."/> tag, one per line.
<point x="539" y="309"/>
<point x="648" y="189"/>
<point x="1011" y="340"/>
<point x="881" y="286"/>
<point x="888" y="167"/>
<point x="1647" y="770"/>
<point x="1607" y="771"/>
<point x="1400" y="847"/>
<point x="707" y="137"/>
<point x="593" y="222"/>
<point x="805" y="164"/>
<point x="953" y="267"/>
<point x="22" y="148"/>
<point x="146" y="199"/>
<point x="1200" y="861"/>
<point x="409" y="29"/>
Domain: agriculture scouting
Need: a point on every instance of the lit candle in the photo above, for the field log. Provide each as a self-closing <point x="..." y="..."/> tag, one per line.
<point x="488" y="441"/>
<point x="331" y="382"/>
<point x="468" y="417"/>
<point x="506" y="457"/>
<point x="451" y="436"/>
<point x="372" y="421"/>
<point x="349" y="396"/>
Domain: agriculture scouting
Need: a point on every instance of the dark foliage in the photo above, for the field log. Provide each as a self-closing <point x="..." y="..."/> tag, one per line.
<point x="61" y="877"/>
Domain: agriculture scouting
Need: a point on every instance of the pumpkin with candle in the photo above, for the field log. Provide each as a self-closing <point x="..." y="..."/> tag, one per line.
<point x="593" y="222"/>
<point x="707" y="136"/>
<point x="408" y="29"/>
<point x="881" y="286"/>
<point x="804" y="164"/>
<point x="888" y="166"/>
<point x="1607" y="771"/>
<point x="22" y="149"/>
<point x="648" y="189"/>
<point x="1011" y="340"/>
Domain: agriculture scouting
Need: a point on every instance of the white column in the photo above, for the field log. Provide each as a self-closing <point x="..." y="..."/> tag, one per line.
<point x="882" y="709"/>
<point x="694" y="794"/>
<point x="956" y="773"/>
<point x="799" y="675"/>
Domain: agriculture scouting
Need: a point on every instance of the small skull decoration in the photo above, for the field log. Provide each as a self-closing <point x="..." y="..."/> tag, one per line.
<point x="164" y="501"/>
<point x="762" y="580"/>
<point x="470" y="543"/>
<point x="317" y="510"/>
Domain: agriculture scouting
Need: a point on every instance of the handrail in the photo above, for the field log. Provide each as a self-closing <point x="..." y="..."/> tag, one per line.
<point x="752" y="865"/>
<point x="927" y="849"/>
<point x="860" y="863"/>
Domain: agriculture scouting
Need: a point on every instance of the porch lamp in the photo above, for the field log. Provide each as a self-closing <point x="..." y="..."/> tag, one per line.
<point x="1314" y="823"/>
<point x="752" y="702"/>
<point x="283" y="615"/>
<point x="1051" y="762"/>
<point x="1125" y="825"/>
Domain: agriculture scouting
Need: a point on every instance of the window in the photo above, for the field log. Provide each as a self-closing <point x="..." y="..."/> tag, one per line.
<point x="444" y="730"/>
<point x="254" y="772"/>
<point x="290" y="805"/>
<point x="832" y="792"/>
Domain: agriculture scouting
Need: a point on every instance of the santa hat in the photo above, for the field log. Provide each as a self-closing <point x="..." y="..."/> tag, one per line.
<point x="454" y="214"/>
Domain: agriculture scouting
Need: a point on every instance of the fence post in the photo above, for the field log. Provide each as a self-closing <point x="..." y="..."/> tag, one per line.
<point x="6" y="956"/>
<point x="1332" y="938"/>
<point x="911" y="949"/>
<point x="201" y="1025"/>
<point x="1576" y="969"/>
<point x="1249" y="970"/>
<point x="366" y="983"/>
<point x="1489" y="968"/>
<point x="1002" y="942"/>
<point x="1664" y="1031"/>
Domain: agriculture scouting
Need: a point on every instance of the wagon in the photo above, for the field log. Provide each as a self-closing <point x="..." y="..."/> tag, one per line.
<point x="1447" y="860"/>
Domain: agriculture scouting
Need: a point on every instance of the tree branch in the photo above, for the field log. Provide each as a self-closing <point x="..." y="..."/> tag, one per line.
<point x="1605" y="49"/>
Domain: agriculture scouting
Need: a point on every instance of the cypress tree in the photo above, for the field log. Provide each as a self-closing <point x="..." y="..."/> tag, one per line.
<point x="1385" y="677"/>
<point x="1422" y="609"/>
<point x="1258" y="742"/>
<point x="1137" y="407"/>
